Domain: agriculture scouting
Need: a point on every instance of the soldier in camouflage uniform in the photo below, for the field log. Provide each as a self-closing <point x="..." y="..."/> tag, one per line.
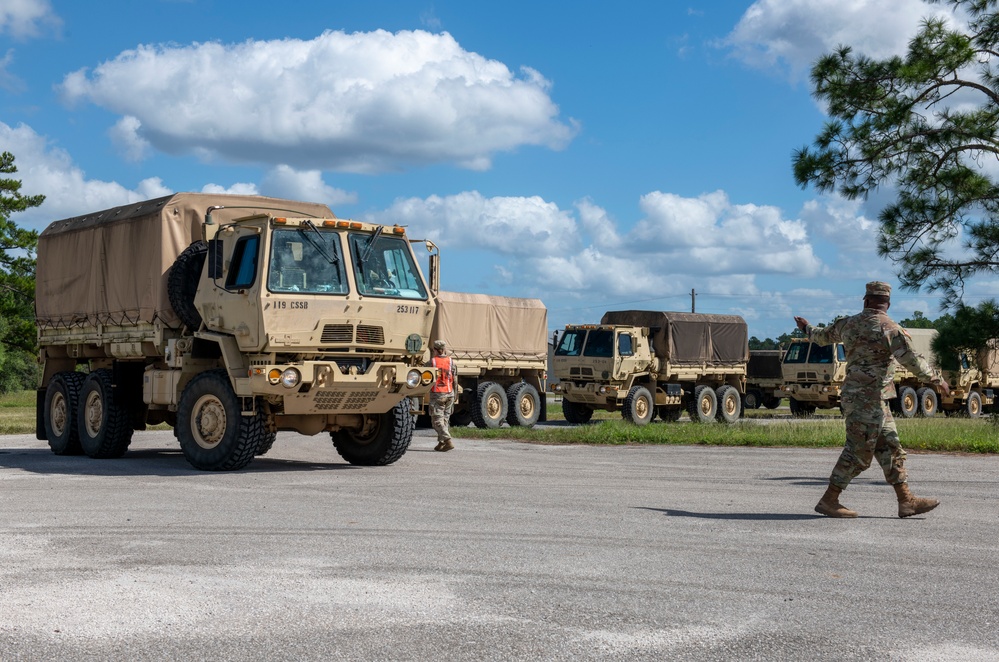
<point x="442" y="395"/>
<point x="871" y="340"/>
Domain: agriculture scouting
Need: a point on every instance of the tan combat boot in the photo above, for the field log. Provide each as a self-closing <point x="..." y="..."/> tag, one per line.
<point x="909" y="505"/>
<point x="830" y="506"/>
<point x="448" y="446"/>
<point x="439" y="446"/>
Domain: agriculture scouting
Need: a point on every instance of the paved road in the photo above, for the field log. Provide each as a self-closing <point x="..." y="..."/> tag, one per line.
<point x="497" y="550"/>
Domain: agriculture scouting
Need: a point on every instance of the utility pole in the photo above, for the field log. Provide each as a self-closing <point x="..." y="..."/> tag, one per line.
<point x="693" y="296"/>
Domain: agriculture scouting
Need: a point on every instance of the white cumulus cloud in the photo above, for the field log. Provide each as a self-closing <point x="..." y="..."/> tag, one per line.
<point x="791" y="34"/>
<point x="360" y="102"/>
<point x="23" y="19"/>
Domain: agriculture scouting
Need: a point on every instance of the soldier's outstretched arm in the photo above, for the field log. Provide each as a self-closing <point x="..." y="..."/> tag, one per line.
<point x="902" y="350"/>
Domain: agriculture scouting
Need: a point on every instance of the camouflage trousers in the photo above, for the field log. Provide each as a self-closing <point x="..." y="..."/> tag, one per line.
<point x="441" y="406"/>
<point x="870" y="433"/>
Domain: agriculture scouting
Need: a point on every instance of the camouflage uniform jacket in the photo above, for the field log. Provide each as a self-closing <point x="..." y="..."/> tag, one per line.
<point x="872" y="340"/>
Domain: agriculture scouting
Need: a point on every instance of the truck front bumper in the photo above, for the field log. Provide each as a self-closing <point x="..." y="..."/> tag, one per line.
<point x="817" y="394"/>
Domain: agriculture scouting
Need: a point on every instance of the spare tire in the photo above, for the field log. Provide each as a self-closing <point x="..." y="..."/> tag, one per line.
<point x="182" y="283"/>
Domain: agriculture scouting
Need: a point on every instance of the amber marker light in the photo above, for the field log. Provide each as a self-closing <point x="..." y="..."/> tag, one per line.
<point x="281" y="221"/>
<point x="274" y="376"/>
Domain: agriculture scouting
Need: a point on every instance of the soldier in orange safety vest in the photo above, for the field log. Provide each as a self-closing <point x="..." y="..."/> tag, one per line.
<point x="442" y="395"/>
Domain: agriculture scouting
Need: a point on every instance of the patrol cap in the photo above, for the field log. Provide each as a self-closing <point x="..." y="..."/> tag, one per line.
<point x="878" y="288"/>
<point x="439" y="344"/>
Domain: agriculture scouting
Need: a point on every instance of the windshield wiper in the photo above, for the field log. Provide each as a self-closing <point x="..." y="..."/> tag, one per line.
<point x="370" y="246"/>
<point x="332" y="259"/>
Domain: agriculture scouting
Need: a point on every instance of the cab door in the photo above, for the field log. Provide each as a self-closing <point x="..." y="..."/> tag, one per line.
<point x="229" y="297"/>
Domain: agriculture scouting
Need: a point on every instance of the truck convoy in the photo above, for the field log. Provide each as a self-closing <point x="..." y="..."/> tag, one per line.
<point x="813" y="378"/>
<point x="500" y="345"/>
<point x="230" y="318"/>
<point x="646" y="363"/>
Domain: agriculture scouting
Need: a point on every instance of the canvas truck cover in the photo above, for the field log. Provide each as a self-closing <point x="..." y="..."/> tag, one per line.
<point x="482" y="326"/>
<point x="921" y="341"/>
<point x="110" y="267"/>
<point x="765" y="364"/>
<point x="988" y="361"/>
<point x="690" y="338"/>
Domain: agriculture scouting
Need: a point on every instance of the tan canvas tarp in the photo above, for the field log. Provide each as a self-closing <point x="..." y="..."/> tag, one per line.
<point x="110" y="267"/>
<point x="922" y="341"/>
<point x="481" y="326"/>
<point x="690" y="338"/>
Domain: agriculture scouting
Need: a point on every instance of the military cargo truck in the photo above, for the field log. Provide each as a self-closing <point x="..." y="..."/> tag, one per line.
<point x="501" y="347"/>
<point x="646" y="364"/>
<point x="971" y="385"/>
<point x="229" y="318"/>
<point x="813" y="376"/>
<point x="764" y="379"/>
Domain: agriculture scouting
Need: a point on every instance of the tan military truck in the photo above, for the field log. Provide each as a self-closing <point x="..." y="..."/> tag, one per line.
<point x="971" y="384"/>
<point x="764" y="379"/>
<point x="500" y="345"/>
<point x="645" y="363"/>
<point x="229" y="318"/>
<point x="813" y="376"/>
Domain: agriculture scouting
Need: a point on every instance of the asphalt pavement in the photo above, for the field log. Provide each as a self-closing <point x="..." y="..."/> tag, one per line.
<point x="498" y="550"/>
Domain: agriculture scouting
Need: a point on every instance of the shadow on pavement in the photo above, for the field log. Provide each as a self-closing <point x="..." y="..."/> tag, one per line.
<point x="777" y="517"/>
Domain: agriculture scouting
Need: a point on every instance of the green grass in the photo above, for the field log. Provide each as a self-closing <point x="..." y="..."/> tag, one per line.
<point x="17" y="413"/>
<point x="763" y="428"/>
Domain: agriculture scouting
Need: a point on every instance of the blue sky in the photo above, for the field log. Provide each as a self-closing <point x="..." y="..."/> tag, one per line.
<point x="597" y="158"/>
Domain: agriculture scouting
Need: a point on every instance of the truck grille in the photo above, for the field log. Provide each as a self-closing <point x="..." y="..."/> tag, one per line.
<point x="344" y="333"/>
<point x="808" y="377"/>
<point x="344" y="400"/>
<point x="580" y="373"/>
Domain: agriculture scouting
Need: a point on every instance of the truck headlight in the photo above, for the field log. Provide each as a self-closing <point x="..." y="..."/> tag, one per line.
<point x="413" y="378"/>
<point x="607" y="390"/>
<point x="556" y="388"/>
<point x="291" y="378"/>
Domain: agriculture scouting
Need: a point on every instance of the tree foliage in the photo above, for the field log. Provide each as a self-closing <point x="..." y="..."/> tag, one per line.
<point x="925" y="125"/>
<point x="17" y="280"/>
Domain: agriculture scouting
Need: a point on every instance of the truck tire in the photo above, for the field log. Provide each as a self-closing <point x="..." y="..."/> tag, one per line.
<point x="908" y="402"/>
<point x="639" y="407"/>
<point x="669" y="414"/>
<point x="753" y="399"/>
<point x="490" y="408"/>
<point x="928" y="402"/>
<point x="266" y="444"/>
<point x="771" y="402"/>
<point x="104" y="425"/>
<point x="576" y="413"/>
<point x="182" y="283"/>
<point x="383" y="444"/>
<point x="973" y="406"/>
<point x="703" y="407"/>
<point x="523" y="405"/>
<point x="729" y="404"/>
<point x="460" y="418"/>
<point x="800" y="409"/>
<point x="214" y="435"/>
<point x="61" y="397"/>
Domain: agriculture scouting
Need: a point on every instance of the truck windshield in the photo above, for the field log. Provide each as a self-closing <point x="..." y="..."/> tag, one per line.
<point x="571" y="343"/>
<point x="306" y="260"/>
<point x="820" y="354"/>
<point x="384" y="267"/>
<point x="600" y="343"/>
<point x="796" y="353"/>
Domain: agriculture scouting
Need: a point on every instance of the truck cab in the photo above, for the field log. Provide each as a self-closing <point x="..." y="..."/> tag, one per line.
<point x="813" y="376"/>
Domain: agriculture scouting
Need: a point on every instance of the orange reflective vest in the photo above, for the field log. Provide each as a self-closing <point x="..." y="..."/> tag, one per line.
<point x="445" y="378"/>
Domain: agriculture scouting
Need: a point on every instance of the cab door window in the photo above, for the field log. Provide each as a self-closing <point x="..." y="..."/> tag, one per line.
<point x="243" y="272"/>
<point x="625" y="345"/>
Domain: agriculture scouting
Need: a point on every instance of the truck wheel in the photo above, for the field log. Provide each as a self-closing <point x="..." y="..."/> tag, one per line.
<point x="182" y="283"/>
<point x="523" y="405"/>
<point x="669" y="414"/>
<point x="381" y="443"/>
<point x="460" y="418"/>
<point x="213" y="433"/>
<point x="771" y="402"/>
<point x="753" y="399"/>
<point x="908" y="402"/>
<point x="729" y="404"/>
<point x="104" y="426"/>
<point x="576" y="413"/>
<point x="800" y="409"/>
<point x="928" y="402"/>
<point x="703" y="407"/>
<point x="973" y="407"/>
<point x="639" y="406"/>
<point x="61" y="399"/>
<point x="490" y="406"/>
